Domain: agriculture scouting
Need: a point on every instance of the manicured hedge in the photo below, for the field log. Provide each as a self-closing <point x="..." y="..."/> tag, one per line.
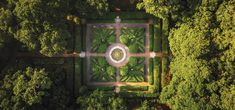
<point x="101" y="71"/>
<point x="133" y="88"/>
<point x="102" y="88"/>
<point x="150" y="74"/>
<point x="156" y="62"/>
<point x="138" y="94"/>
<point x="113" y="21"/>
<point x="165" y="63"/>
<point x="48" y="61"/>
<point x="133" y="71"/>
<point x="133" y="38"/>
<point x="156" y="75"/>
<point x="165" y="33"/>
<point x="83" y="48"/>
<point x="70" y="40"/>
<point x="77" y="76"/>
<point x="101" y="39"/>
<point x="78" y="63"/>
<point x="122" y="15"/>
<point x="126" y="17"/>
<point x="151" y="42"/>
<point x="151" y="37"/>
<point x="70" y="71"/>
<point x="165" y="47"/>
<point x="78" y="38"/>
<point x="157" y="35"/>
<point x="83" y="38"/>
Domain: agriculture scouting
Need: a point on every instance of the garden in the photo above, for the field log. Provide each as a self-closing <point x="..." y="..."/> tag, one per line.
<point x="117" y="54"/>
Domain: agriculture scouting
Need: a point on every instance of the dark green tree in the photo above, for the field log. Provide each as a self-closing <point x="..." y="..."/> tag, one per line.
<point x="41" y="24"/>
<point x="24" y="89"/>
<point x="98" y="100"/>
<point x="59" y="96"/>
<point x="6" y="21"/>
<point x="89" y="7"/>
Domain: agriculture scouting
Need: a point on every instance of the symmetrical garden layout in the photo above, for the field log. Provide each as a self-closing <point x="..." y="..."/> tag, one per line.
<point x="117" y="54"/>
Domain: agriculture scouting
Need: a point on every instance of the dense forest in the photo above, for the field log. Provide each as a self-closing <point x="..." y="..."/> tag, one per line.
<point x="201" y="40"/>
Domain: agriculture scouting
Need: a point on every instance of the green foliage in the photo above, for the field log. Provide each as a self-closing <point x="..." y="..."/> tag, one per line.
<point x="165" y="64"/>
<point x="102" y="88"/>
<point x="156" y="76"/>
<point x="157" y="36"/>
<point x="151" y="37"/>
<point x="101" y="39"/>
<point x="6" y="20"/>
<point x="101" y="70"/>
<point x="58" y="96"/>
<point x="203" y="65"/>
<point x="133" y="38"/>
<point x="88" y="7"/>
<point x="98" y="100"/>
<point x="188" y="85"/>
<point x="144" y="106"/>
<point x="133" y="88"/>
<point x="24" y="88"/>
<point x="188" y="40"/>
<point x="225" y="32"/>
<point x="228" y="98"/>
<point x="133" y="71"/>
<point x="40" y="26"/>
<point x="150" y="74"/>
<point x="165" y="9"/>
<point x="51" y="42"/>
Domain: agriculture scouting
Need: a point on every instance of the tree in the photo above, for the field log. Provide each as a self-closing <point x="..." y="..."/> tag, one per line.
<point x="98" y="100"/>
<point x="41" y="24"/>
<point x="88" y="7"/>
<point x="203" y="65"/>
<point x="6" y="21"/>
<point x="169" y="9"/>
<point x="59" y="96"/>
<point x="24" y="89"/>
<point x="144" y="106"/>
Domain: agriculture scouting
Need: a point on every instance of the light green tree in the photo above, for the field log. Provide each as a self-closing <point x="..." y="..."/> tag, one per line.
<point x="203" y="65"/>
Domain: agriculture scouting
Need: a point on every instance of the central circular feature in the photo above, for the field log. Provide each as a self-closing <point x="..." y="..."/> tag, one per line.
<point x="117" y="54"/>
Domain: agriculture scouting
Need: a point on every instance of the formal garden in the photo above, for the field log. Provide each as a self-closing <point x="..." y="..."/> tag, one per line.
<point x="117" y="54"/>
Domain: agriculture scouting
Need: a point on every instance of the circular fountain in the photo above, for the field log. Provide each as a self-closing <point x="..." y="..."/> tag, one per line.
<point x="117" y="54"/>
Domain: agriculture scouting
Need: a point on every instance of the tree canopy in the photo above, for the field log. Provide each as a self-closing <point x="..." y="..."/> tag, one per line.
<point x="24" y="89"/>
<point x="98" y="100"/>
<point x="41" y="24"/>
<point x="203" y="65"/>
